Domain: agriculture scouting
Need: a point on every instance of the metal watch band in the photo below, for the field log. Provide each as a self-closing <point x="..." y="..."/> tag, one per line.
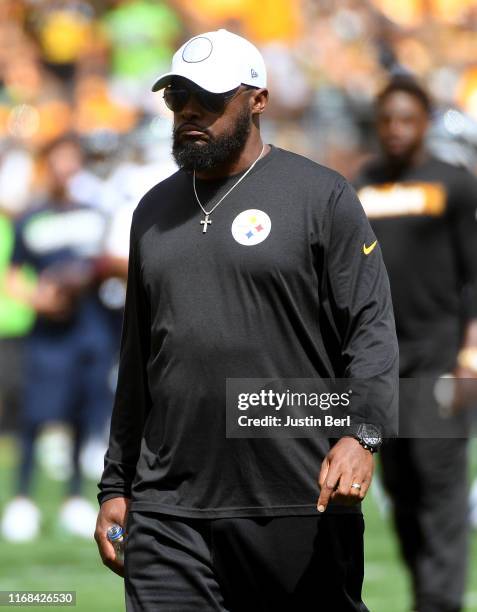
<point x="371" y="449"/>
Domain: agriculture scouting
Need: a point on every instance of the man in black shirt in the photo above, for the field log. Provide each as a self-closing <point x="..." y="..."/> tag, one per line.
<point x="248" y="262"/>
<point x="423" y="212"/>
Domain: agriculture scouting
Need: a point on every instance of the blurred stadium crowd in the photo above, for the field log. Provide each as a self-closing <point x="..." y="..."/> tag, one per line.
<point x="79" y="125"/>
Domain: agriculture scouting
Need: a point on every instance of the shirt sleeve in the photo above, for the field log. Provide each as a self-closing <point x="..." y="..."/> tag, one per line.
<point x="358" y="300"/>
<point x="463" y="222"/>
<point x="132" y="399"/>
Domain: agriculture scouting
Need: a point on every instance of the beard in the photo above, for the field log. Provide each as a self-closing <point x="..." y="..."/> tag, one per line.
<point x="190" y="155"/>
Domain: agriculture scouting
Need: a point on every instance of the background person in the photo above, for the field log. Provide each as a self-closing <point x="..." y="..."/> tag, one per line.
<point x="423" y="211"/>
<point x="69" y="351"/>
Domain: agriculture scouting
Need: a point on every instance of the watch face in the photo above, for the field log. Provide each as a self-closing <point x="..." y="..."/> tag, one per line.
<point x="370" y="435"/>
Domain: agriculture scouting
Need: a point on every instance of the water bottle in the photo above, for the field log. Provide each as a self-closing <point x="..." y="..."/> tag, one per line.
<point x="115" y="535"/>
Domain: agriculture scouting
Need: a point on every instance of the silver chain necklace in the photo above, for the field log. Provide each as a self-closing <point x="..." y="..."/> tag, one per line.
<point x="206" y="221"/>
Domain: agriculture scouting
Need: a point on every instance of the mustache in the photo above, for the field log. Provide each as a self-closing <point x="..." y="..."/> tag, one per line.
<point x="188" y="125"/>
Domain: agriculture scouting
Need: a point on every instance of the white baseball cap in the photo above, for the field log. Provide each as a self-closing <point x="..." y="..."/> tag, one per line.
<point x="217" y="61"/>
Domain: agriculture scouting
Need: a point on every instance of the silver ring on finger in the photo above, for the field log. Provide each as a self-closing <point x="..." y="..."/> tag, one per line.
<point x="356" y="485"/>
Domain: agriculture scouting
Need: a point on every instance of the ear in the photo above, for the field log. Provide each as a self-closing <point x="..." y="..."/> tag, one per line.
<point x="258" y="101"/>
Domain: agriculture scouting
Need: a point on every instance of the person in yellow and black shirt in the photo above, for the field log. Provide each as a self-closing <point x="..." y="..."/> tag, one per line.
<point x="423" y="212"/>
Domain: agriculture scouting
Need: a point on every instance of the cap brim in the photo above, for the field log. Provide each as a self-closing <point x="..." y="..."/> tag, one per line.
<point x="204" y="80"/>
<point x="163" y="81"/>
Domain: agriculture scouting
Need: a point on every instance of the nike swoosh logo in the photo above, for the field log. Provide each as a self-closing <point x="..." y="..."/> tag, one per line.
<point x="367" y="250"/>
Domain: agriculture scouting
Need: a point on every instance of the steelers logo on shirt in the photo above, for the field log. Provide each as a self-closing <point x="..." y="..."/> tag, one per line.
<point x="251" y="227"/>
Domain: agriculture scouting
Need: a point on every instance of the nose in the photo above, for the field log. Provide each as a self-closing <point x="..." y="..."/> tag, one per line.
<point x="191" y="110"/>
<point x="395" y="127"/>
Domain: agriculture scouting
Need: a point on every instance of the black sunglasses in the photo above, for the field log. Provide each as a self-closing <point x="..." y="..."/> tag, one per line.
<point x="176" y="97"/>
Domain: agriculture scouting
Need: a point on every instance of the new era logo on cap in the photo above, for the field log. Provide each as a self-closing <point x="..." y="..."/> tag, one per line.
<point x="254" y="73"/>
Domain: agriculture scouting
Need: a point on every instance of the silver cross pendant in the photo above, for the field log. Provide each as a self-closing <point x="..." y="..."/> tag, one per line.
<point x="205" y="222"/>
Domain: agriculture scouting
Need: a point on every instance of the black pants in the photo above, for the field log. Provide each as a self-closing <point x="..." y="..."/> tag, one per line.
<point x="292" y="564"/>
<point x="427" y="481"/>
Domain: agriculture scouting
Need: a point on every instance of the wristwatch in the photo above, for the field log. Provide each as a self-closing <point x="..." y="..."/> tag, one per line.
<point x="369" y="436"/>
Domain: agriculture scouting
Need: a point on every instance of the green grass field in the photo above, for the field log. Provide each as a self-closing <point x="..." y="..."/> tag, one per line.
<point x="58" y="562"/>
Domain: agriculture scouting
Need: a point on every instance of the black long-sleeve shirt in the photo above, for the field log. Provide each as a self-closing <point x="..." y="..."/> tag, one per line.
<point x="305" y="302"/>
<point x="425" y="218"/>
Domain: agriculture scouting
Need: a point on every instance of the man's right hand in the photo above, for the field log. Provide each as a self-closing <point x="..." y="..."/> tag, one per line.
<point x="113" y="511"/>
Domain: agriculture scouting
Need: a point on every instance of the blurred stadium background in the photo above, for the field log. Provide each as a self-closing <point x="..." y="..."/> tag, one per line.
<point x="87" y="67"/>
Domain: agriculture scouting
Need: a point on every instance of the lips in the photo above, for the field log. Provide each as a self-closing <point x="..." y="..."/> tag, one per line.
<point x="191" y="130"/>
<point x="194" y="133"/>
<point x="396" y="146"/>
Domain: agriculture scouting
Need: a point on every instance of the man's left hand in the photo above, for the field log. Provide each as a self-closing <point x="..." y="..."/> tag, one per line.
<point x="346" y="464"/>
<point x="465" y="389"/>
